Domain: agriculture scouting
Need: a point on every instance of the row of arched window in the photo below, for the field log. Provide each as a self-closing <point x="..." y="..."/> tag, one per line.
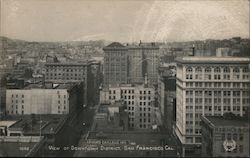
<point x="216" y="70"/>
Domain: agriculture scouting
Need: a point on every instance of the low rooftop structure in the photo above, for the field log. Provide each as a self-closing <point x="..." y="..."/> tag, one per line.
<point x="35" y="124"/>
<point x="213" y="59"/>
<point x="25" y="146"/>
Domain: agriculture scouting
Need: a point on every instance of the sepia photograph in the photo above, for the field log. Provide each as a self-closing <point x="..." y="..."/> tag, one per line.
<point x="124" y="78"/>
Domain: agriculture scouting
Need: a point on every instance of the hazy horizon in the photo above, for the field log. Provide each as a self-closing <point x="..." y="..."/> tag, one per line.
<point x="124" y="21"/>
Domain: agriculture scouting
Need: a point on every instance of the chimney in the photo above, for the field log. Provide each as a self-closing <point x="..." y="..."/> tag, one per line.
<point x="146" y="79"/>
<point x="193" y="49"/>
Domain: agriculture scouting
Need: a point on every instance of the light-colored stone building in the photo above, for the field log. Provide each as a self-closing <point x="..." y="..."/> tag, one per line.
<point x="35" y="99"/>
<point x="140" y="101"/>
<point x="208" y="86"/>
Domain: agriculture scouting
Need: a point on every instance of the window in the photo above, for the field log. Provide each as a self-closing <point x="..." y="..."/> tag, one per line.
<point x="241" y="148"/>
<point x="208" y="70"/>
<point x="235" y="136"/>
<point x="245" y="69"/>
<point x="236" y="74"/>
<point x="189" y="70"/>
<point x="229" y="136"/>
<point x="226" y="70"/>
<point x="217" y="70"/>
<point x="241" y="137"/>
<point x="198" y="70"/>
<point x="236" y="70"/>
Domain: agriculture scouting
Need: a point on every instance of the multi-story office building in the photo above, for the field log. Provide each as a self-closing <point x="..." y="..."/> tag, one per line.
<point x="143" y="60"/>
<point x="115" y="64"/>
<point x="130" y="64"/>
<point x="208" y="86"/>
<point x="94" y="82"/>
<point x="140" y="101"/>
<point x="150" y="53"/>
<point x="69" y="72"/>
<point x="225" y="137"/>
<point x="38" y="99"/>
<point x="166" y="95"/>
<point x="135" y="64"/>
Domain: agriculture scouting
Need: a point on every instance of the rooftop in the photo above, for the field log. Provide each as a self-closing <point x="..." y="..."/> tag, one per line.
<point x="7" y="123"/>
<point x="115" y="45"/>
<point x="10" y="146"/>
<point x="40" y="85"/>
<point x="48" y="124"/>
<point x="213" y="59"/>
<point x="129" y="86"/>
<point x="221" y="121"/>
<point x="151" y="45"/>
<point x="71" y="63"/>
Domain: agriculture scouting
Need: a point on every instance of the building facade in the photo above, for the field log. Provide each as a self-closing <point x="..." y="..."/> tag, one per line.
<point x="143" y="60"/>
<point x="58" y="99"/>
<point x="225" y="137"/>
<point x="69" y="72"/>
<point x="115" y="64"/>
<point x="140" y="102"/>
<point x="166" y="95"/>
<point x="208" y="86"/>
<point x="130" y="64"/>
<point x="94" y="82"/>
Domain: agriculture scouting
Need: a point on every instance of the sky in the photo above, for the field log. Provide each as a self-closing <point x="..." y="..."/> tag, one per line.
<point x="124" y="20"/>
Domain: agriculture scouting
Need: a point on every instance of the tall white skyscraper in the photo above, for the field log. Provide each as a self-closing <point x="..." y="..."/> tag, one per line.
<point x="208" y="86"/>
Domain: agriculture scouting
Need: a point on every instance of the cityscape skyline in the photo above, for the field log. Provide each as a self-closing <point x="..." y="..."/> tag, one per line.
<point x="124" y="21"/>
<point x="128" y="78"/>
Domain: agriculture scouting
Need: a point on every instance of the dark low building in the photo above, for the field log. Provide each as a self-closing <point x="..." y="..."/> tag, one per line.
<point x="25" y="146"/>
<point x="225" y="136"/>
<point x="58" y="131"/>
<point x="111" y="117"/>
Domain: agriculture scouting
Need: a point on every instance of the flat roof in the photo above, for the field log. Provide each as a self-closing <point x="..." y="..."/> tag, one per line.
<point x="67" y="86"/>
<point x="142" y="85"/>
<point x="10" y="147"/>
<point x="77" y="63"/>
<point x="7" y="123"/>
<point x="49" y="123"/>
<point x="213" y="59"/>
<point x="221" y="121"/>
